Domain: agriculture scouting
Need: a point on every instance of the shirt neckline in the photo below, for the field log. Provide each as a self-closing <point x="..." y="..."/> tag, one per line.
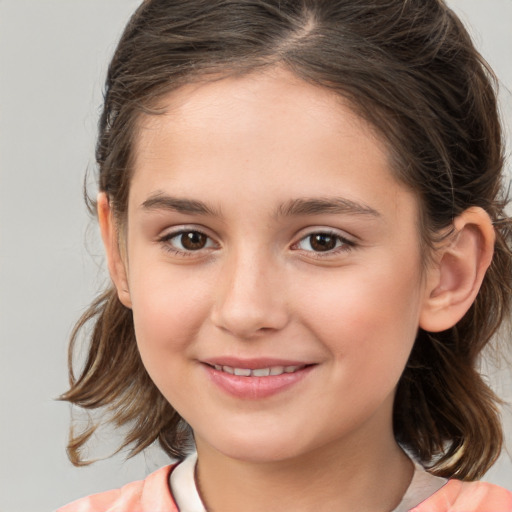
<point x="185" y="493"/>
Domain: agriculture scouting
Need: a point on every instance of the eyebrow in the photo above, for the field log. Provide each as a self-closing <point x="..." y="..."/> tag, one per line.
<point x="160" y="201"/>
<point x="294" y="207"/>
<point x="317" y="206"/>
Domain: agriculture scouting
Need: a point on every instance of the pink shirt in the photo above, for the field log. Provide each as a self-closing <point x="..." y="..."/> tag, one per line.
<point x="153" y="495"/>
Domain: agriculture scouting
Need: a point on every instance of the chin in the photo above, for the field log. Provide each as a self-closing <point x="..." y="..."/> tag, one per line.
<point x="261" y="453"/>
<point x="256" y="445"/>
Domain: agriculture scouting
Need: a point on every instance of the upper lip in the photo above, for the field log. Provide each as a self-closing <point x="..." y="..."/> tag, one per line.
<point x="253" y="363"/>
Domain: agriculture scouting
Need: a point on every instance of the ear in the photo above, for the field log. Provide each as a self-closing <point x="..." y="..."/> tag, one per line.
<point x="455" y="279"/>
<point x="116" y="263"/>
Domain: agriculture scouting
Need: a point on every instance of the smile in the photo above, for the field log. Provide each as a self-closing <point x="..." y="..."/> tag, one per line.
<point x="258" y="372"/>
<point x="261" y="380"/>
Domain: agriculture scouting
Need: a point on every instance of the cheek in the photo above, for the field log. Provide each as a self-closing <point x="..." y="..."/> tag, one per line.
<point x="168" y="312"/>
<point x="367" y="318"/>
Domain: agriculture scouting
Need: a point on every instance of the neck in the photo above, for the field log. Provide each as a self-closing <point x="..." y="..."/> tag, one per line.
<point x="344" y="476"/>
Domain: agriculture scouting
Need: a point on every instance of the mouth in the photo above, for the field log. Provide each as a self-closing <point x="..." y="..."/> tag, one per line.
<point x="256" y="378"/>
<point x="258" y="372"/>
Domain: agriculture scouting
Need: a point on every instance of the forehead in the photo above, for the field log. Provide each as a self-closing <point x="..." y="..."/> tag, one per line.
<point x="268" y="131"/>
<point x="246" y="105"/>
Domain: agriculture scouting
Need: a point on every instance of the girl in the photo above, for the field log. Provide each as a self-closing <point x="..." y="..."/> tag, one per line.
<point x="301" y="205"/>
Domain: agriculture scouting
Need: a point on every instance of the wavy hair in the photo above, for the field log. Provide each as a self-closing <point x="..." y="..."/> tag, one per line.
<point x="408" y="67"/>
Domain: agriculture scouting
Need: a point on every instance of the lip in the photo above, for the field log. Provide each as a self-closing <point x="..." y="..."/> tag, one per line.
<point x="252" y="387"/>
<point x="253" y="363"/>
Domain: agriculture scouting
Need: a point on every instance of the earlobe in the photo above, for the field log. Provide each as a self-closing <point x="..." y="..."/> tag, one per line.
<point x="455" y="279"/>
<point x="116" y="263"/>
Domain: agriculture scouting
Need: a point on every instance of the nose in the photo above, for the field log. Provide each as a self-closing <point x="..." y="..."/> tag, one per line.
<point x="250" y="299"/>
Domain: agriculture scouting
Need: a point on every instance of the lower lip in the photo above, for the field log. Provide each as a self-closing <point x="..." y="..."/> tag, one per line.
<point x="255" y="388"/>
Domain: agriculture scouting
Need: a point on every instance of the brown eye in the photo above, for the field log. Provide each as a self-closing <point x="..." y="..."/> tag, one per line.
<point x="193" y="240"/>
<point x="187" y="242"/>
<point x="323" y="242"/>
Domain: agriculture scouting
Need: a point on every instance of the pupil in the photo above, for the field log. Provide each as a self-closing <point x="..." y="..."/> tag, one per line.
<point x="193" y="240"/>
<point x="322" y="242"/>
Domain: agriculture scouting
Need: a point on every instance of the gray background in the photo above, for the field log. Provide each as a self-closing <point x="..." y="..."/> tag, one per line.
<point x="53" y="56"/>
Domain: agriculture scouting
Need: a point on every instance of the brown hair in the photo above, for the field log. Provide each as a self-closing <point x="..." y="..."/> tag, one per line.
<point x="407" y="66"/>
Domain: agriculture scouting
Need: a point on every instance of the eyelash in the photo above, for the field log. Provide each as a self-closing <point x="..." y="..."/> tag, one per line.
<point x="167" y="238"/>
<point x="342" y="243"/>
<point x="345" y="244"/>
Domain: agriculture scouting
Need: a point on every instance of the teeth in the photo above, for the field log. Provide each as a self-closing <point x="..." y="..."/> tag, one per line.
<point x="244" y="372"/>
<point x="258" y="372"/>
<point x="276" y="370"/>
<point x="261" y="372"/>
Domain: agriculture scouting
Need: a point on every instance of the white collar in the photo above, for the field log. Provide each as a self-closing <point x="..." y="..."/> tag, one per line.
<point x="183" y="486"/>
<point x="186" y="496"/>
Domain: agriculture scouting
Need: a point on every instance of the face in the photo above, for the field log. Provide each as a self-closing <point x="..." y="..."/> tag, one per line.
<point x="273" y="267"/>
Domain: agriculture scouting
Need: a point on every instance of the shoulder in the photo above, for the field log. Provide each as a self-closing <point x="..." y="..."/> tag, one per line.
<point x="457" y="496"/>
<point x="149" y="495"/>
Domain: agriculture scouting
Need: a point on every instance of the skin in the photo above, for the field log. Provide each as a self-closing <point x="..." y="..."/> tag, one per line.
<point x="251" y="149"/>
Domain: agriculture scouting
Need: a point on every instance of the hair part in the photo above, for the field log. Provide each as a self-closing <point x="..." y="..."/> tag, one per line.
<point x="411" y="70"/>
